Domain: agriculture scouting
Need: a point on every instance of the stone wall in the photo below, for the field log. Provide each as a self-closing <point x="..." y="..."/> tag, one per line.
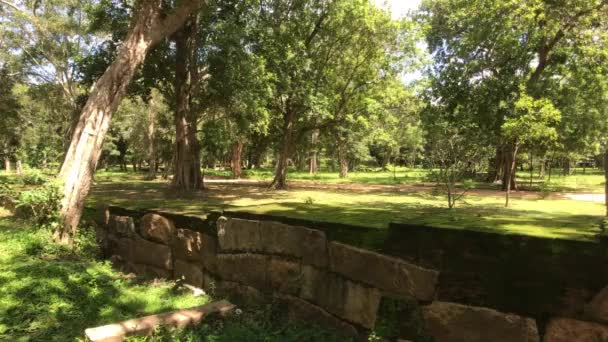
<point x="408" y="288"/>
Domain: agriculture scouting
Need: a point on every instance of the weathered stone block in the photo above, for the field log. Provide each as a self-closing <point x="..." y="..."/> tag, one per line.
<point x="121" y="247"/>
<point x="597" y="309"/>
<point x="248" y="269"/>
<point x="153" y="254"/>
<point x="157" y="228"/>
<point x="308" y="244"/>
<point x="149" y="271"/>
<point x="192" y="273"/>
<point x="239" y="235"/>
<point x="240" y="294"/>
<point x="209" y="252"/>
<point x="460" y="323"/>
<point x="273" y="238"/>
<point x="284" y="275"/>
<point x="121" y="226"/>
<point x="188" y="245"/>
<point x="571" y="330"/>
<point x="386" y="273"/>
<point x="342" y="297"/>
<point x="298" y="309"/>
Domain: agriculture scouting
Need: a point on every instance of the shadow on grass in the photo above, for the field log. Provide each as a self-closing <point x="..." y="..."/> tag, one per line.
<point x="46" y="294"/>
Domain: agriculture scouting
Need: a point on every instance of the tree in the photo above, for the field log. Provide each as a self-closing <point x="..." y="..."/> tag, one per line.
<point x="148" y="28"/>
<point x="10" y="125"/>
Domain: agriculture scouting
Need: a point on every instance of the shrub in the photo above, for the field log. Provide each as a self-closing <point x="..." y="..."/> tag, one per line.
<point x="41" y="205"/>
<point x="34" y="177"/>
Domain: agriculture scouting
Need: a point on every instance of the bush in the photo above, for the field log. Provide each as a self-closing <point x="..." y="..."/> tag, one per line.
<point x="40" y="205"/>
<point x="34" y="177"/>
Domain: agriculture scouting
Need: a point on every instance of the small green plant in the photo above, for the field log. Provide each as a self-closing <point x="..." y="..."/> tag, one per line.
<point x="309" y="200"/>
<point x="40" y="205"/>
<point x="34" y="177"/>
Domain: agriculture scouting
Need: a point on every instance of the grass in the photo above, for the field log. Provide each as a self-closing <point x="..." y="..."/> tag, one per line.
<point x="50" y="293"/>
<point x="588" y="180"/>
<point x="552" y="218"/>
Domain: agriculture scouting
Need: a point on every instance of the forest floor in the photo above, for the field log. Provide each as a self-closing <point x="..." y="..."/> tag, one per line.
<point x="552" y="215"/>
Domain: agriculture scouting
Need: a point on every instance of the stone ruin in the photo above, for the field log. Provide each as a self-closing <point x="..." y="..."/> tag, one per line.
<point x="352" y="291"/>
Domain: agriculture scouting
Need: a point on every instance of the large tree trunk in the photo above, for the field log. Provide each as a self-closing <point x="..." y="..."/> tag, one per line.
<point x="19" y="168"/>
<point x="7" y="164"/>
<point x="151" y="132"/>
<point x="236" y="162"/>
<point x="508" y="175"/>
<point x="343" y="157"/>
<point x="314" y="140"/>
<point x="606" y="179"/>
<point x="510" y="171"/>
<point x="495" y="165"/>
<point x="187" y="167"/>
<point x="280" y="177"/>
<point x="83" y="153"/>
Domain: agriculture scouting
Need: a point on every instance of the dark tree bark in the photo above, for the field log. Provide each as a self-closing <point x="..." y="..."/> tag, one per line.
<point x="147" y="29"/>
<point x="151" y="132"/>
<point x="314" y="139"/>
<point x="187" y="164"/>
<point x="280" y="177"/>
<point x="236" y="162"/>
<point x="343" y="157"/>
<point x="510" y="171"/>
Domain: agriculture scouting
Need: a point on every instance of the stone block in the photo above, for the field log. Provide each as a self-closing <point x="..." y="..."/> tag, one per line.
<point x="246" y="268"/>
<point x="453" y="322"/>
<point x="597" y="309"/>
<point x="284" y="275"/>
<point x="309" y="245"/>
<point x="153" y="254"/>
<point x="571" y="330"/>
<point x="209" y="252"/>
<point x="157" y="228"/>
<point x="149" y="271"/>
<point x="239" y="235"/>
<point x="275" y="238"/>
<point x="123" y="226"/>
<point x="120" y="247"/>
<point x="188" y="245"/>
<point x="191" y="273"/>
<point x="341" y="297"/>
<point x="301" y="310"/>
<point x="386" y="273"/>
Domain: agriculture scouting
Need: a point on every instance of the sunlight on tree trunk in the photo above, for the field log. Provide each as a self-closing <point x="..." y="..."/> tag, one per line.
<point x="88" y="136"/>
<point x="280" y="178"/>
<point x="236" y="162"/>
<point x="343" y="157"/>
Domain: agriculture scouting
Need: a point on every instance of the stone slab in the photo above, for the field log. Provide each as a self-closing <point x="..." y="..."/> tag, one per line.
<point x="188" y="245"/>
<point x="157" y="228"/>
<point x="386" y="273"/>
<point x="153" y="254"/>
<point x="451" y="322"/>
<point x="191" y="273"/>
<point x="146" y="325"/>
<point x="571" y="330"/>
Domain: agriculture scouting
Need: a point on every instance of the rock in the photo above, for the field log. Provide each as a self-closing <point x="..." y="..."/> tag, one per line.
<point x="298" y="309"/>
<point x="284" y="275"/>
<point x="571" y="330"/>
<point x="121" y="226"/>
<point x="341" y="297"/>
<point x="157" y="228"/>
<point x="149" y="271"/>
<point x="209" y="252"/>
<point x="452" y="322"/>
<point x="240" y="294"/>
<point x="238" y="235"/>
<point x="188" y="245"/>
<point x="597" y="309"/>
<point x="246" y="268"/>
<point x="153" y="254"/>
<point x="386" y="273"/>
<point x="191" y="273"/>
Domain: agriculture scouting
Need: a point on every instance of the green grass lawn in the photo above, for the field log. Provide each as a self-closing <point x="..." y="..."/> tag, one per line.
<point x="553" y="218"/>
<point x="49" y="293"/>
<point x="589" y="180"/>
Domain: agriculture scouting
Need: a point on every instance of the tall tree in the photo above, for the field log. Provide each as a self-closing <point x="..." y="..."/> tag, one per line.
<point x="148" y="28"/>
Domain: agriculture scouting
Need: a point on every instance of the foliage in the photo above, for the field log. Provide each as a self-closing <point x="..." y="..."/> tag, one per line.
<point x="40" y="205"/>
<point x="51" y="292"/>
